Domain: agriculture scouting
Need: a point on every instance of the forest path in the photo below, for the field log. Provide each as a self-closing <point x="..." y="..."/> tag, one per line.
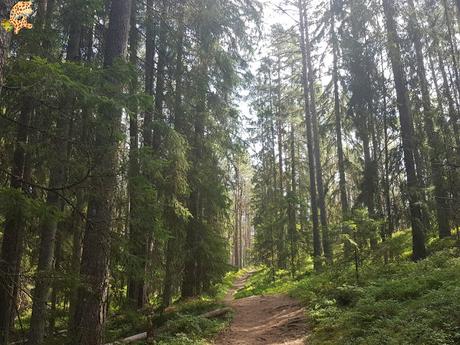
<point x="270" y="320"/>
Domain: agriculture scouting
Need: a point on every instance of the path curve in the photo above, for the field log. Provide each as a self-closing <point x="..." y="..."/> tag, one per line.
<point x="269" y="320"/>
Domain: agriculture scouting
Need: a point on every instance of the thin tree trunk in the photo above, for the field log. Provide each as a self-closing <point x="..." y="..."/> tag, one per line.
<point x="49" y="224"/>
<point x="386" y="141"/>
<point x="160" y="83"/>
<point x="77" y="243"/>
<point x="149" y="69"/>
<point x="292" y="209"/>
<point x="452" y="45"/>
<point x="48" y="228"/>
<point x="136" y="291"/>
<point x="54" y="299"/>
<point x="14" y="229"/>
<point x="5" y="38"/>
<point x="311" y="154"/>
<point x="338" y="118"/>
<point x="179" y="125"/>
<point x="317" y="145"/>
<point x="453" y="115"/>
<point x="281" y="241"/>
<point x="407" y="131"/>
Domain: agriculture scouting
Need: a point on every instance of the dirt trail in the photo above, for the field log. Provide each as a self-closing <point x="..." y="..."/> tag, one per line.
<point x="270" y="320"/>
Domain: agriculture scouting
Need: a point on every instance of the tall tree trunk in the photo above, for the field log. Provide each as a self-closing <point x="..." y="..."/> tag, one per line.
<point x="453" y="114"/>
<point x="386" y="142"/>
<point x="192" y="280"/>
<point x="457" y="2"/>
<point x="14" y="229"/>
<point x="136" y="285"/>
<point x="452" y="45"/>
<point x="179" y="125"/>
<point x="55" y="287"/>
<point x="338" y="117"/>
<point x="434" y="140"/>
<point x="407" y="131"/>
<point x="317" y="144"/>
<point x="48" y="231"/>
<point x="149" y="69"/>
<point x="89" y="315"/>
<point x="236" y="247"/>
<point x="5" y="38"/>
<point x="281" y="240"/>
<point x="292" y="206"/>
<point x="179" y="118"/>
<point x="77" y="242"/>
<point x="73" y="51"/>
<point x="311" y="154"/>
<point x="161" y="66"/>
<point x="49" y="223"/>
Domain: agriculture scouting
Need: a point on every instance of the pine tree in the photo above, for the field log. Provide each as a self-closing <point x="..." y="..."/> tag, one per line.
<point x="89" y="315"/>
<point x="407" y="131"/>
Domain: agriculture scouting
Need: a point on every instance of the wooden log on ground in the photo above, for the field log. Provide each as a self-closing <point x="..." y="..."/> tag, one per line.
<point x="132" y="339"/>
<point x="217" y="312"/>
<point x="143" y="336"/>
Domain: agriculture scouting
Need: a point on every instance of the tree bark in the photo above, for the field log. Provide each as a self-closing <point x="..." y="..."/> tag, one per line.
<point x="48" y="229"/>
<point x="452" y="45"/>
<point x="457" y="2"/>
<point x="49" y="223"/>
<point x="89" y="315"/>
<point x="179" y="125"/>
<point x="386" y="142"/>
<point x="160" y="82"/>
<point x="292" y="206"/>
<point x="434" y="141"/>
<point x="311" y="154"/>
<point x="5" y="38"/>
<point x="407" y="131"/>
<point x="193" y="278"/>
<point x="136" y="285"/>
<point x="149" y="70"/>
<point x="338" y="118"/>
<point x="14" y="229"/>
<point x="281" y="240"/>
<point x="317" y="144"/>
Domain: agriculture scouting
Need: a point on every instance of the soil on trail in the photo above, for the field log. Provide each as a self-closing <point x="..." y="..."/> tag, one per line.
<point x="271" y="320"/>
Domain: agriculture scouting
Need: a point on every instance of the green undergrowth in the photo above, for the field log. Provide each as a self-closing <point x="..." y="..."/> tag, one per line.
<point x="398" y="303"/>
<point x="180" y="324"/>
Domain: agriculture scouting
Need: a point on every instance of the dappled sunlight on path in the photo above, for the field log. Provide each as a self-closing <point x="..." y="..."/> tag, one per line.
<point x="271" y="320"/>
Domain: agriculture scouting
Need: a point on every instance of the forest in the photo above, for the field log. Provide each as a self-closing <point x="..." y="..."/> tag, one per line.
<point x="195" y="172"/>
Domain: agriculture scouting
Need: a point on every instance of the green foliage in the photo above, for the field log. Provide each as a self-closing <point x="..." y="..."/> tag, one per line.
<point x="398" y="303"/>
<point x="184" y="325"/>
<point x="263" y="283"/>
<point x="190" y="325"/>
<point x="126" y="323"/>
<point x="180" y="324"/>
<point x="182" y="339"/>
<point x="219" y="290"/>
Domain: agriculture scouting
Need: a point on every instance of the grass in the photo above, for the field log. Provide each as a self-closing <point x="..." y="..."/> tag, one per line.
<point x="181" y="324"/>
<point x="399" y="303"/>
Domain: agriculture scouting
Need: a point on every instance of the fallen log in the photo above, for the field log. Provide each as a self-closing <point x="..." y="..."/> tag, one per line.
<point x="137" y="337"/>
<point x="143" y="336"/>
<point x="217" y="312"/>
